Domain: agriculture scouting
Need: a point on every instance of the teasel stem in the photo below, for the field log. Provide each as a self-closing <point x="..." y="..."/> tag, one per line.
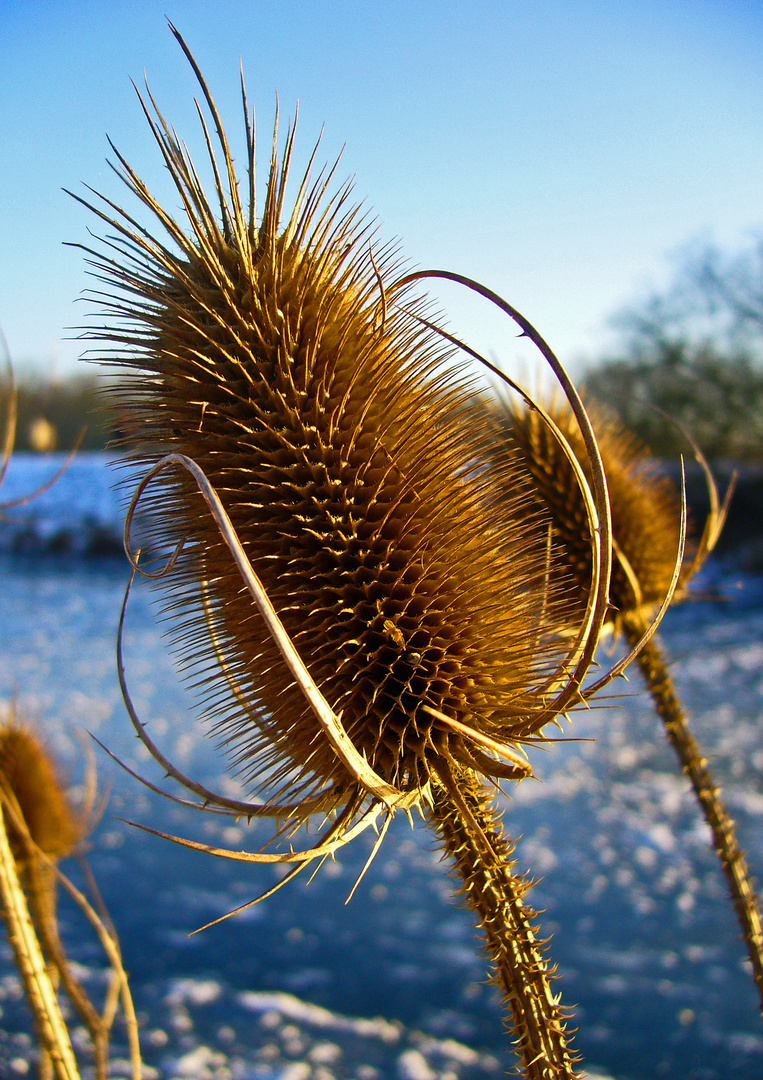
<point x="463" y="813"/>
<point x="652" y="663"/>
<point x="40" y="886"/>
<point x="41" y="995"/>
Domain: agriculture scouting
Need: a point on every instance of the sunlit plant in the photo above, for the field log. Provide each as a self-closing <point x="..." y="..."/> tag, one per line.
<point x="38" y="828"/>
<point x="646" y="522"/>
<point x="370" y="624"/>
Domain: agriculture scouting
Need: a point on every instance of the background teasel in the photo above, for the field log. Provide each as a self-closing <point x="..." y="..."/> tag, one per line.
<point x="336" y="444"/>
<point x="53" y="825"/>
<point x="39" y="827"/>
<point x="646" y="512"/>
<point x="645" y="506"/>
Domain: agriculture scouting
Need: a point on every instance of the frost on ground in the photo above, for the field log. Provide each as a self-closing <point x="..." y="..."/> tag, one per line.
<point x="644" y="937"/>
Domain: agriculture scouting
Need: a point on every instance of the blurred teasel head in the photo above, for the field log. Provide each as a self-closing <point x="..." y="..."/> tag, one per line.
<point x="342" y="450"/>
<point x="646" y="507"/>
<point x="37" y="798"/>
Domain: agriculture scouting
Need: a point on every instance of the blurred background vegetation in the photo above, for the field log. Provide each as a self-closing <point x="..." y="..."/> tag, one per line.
<point x="51" y="415"/>
<point x="694" y="351"/>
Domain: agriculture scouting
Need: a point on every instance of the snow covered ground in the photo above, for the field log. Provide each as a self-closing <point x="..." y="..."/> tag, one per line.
<point x="393" y="985"/>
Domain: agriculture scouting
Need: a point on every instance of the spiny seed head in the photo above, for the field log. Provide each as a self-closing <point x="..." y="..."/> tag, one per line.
<point x="346" y="449"/>
<point x="645" y="506"/>
<point x="29" y="775"/>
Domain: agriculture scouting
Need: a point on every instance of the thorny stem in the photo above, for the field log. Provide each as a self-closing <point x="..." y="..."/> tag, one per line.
<point x="652" y="664"/>
<point x="40" y="886"/>
<point x="29" y="910"/>
<point x="473" y="838"/>
<point x="54" y="1037"/>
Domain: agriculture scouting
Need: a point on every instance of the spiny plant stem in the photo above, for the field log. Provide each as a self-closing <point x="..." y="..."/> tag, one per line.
<point x="39" y="883"/>
<point x="652" y="664"/>
<point x="54" y="1036"/>
<point x="471" y="829"/>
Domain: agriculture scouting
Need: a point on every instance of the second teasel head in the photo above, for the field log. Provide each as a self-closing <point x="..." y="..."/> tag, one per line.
<point x="345" y="446"/>
<point x="645" y="505"/>
<point x="30" y="781"/>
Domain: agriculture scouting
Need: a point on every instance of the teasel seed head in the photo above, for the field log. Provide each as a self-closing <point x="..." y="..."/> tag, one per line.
<point x="345" y="448"/>
<point x="30" y="780"/>
<point x="645" y="505"/>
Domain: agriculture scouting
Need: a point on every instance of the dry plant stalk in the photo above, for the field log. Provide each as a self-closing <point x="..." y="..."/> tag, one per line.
<point x="368" y="625"/>
<point x="654" y="669"/>
<point x="645" y="526"/>
<point x="472" y="836"/>
<point x="55" y="1044"/>
<point x="39" y="829"/>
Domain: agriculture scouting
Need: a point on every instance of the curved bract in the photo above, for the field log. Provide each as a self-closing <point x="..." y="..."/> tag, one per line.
<point x="9" y="438"/>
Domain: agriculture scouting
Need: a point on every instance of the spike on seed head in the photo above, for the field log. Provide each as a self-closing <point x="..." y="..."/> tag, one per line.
<point x="345" y="449"/>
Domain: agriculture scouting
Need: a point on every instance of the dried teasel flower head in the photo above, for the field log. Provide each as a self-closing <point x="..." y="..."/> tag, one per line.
<point x="38" y="827"/>
<point x="30" y="781"/>
<point x="335" y="442"/>
<point x="646" y="507"/>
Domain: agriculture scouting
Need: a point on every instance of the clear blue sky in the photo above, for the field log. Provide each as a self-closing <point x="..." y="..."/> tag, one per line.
<point x="558" y="151"/>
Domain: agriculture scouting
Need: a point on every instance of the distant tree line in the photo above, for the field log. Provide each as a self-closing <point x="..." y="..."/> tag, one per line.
<point x="695" y="352"/>
<point x="51" y="415"/>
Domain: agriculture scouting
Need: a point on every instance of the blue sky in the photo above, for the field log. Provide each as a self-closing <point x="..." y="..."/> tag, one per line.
<point x="559" y="152"/>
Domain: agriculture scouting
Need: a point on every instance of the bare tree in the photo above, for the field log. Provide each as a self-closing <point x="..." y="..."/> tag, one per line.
<point x="694" y="351"/>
